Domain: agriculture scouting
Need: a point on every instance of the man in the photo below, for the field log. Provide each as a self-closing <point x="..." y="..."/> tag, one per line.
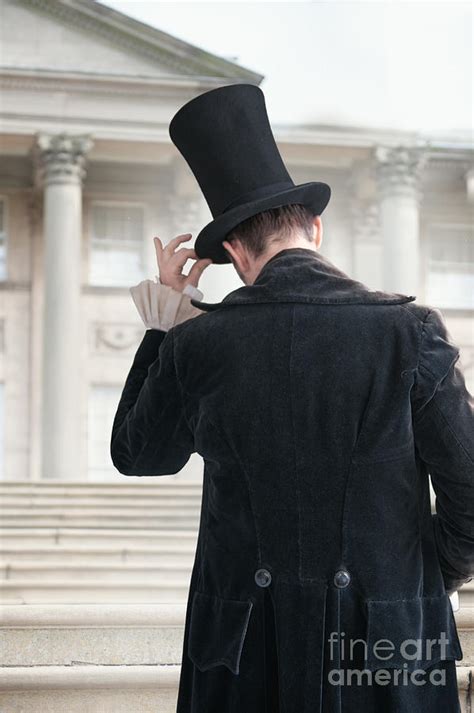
<point x="320" y="407"/>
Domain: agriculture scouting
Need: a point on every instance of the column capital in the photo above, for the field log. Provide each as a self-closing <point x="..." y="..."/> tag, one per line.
<point x="60" y="158"/>
<point x="398" y="169"/>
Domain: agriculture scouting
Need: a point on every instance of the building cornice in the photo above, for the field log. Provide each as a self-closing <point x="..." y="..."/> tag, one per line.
<point x="443" y="146"/>
<point x="92" y="83"/>
<point x="142" y="39"/>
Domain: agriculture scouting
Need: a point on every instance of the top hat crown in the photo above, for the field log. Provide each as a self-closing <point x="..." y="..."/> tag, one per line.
<point x="225" y="137"/>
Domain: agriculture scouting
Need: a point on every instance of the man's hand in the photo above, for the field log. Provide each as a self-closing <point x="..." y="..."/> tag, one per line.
<point x="171" y="263"/>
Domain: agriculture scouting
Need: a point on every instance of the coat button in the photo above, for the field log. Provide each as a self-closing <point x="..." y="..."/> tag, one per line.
<point x="263" y="577"/>
<point x="342" y="578"/>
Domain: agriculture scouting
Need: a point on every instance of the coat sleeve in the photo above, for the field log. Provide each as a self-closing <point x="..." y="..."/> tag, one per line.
<point x="150" y="433"/>
<point x="443" y="421"/>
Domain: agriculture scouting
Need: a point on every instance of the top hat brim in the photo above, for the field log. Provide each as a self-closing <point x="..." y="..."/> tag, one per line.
<point x="208" y="244"/>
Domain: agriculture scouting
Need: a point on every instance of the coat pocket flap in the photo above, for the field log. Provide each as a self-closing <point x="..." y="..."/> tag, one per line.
<point x="217" y="631"/>
<point x="411" y="633"/>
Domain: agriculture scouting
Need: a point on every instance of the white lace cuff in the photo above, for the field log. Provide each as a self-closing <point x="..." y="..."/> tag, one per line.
<point x="161" y="306"/>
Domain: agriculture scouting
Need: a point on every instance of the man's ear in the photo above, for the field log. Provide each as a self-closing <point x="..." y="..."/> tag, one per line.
<point x="318" y="231"/>
<point x="229" y="248"/>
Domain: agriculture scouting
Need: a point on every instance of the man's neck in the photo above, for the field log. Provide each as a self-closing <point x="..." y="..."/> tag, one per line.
<point x="250" y="277"/>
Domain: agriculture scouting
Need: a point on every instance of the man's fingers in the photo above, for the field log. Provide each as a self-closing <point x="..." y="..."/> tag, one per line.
<point x="158" y="250"/>
<point x="171" y="261"/>
<point x="197" y="270"/>
<point x="167" y="258"/>
<point x="179" y="258"/>
<point x="170" y="247"/>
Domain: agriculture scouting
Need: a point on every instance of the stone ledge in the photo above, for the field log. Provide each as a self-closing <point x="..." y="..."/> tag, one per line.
<point x="24" y="678"/>
<point x="69" y="616"/>
<point x="160" y="614"/>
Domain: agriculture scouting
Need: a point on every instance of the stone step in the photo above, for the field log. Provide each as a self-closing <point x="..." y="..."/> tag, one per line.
<point x="89" y="689"/>
<point x="115" y="689"/>
<point x="166" y="552"/>
<point x="72" y="512"/>
<point x="64" y="634"/>
<point x="129" y="501"/>
<point x="66" y="590"/>
<point x="173" y="522"/>
<point x="131" y="484"/>
<point x="115" y="493"/>
<point x="124" y="536"/>
<point x="89" y="572"/>
<point x="98" y="659"/>
<point x="466" y="594"/>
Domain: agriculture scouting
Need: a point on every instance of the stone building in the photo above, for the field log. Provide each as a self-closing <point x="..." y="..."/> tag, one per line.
<point x="88" y="175"/>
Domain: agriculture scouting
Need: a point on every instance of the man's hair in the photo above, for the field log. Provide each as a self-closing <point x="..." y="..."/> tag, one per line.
<point x="279" y="223"/>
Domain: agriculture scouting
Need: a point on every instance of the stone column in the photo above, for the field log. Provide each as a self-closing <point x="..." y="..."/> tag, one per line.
<point x="60" y="168"/>
<point x="398" y="173"/>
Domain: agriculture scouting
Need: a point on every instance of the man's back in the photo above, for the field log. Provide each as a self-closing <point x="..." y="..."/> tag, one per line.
<point x="319" y="407"/>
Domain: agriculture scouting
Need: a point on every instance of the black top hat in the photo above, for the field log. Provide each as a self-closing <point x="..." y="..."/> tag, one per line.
<point x="225" y="137"/>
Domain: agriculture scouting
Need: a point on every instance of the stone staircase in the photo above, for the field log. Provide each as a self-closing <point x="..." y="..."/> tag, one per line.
<point x="94" y="581"/>
<point x="107" y="658"/>
<point x="90" y="543"/>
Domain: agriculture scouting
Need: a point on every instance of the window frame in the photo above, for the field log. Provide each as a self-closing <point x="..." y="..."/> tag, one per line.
<point x="109" y="202"/>
<point x="445" y="225"/>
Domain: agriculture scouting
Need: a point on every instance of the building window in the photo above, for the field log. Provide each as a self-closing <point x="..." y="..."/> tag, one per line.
<point x="103" y="402"/>
<point x="450" y="279"/>
<point x="3" y="240"/>
<point x="116" y="244"/>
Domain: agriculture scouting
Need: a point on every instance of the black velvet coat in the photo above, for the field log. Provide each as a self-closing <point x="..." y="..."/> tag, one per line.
<point x="319" y="407"/>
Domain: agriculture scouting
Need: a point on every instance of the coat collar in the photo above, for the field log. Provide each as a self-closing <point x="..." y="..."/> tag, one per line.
<point x="303" y="275"/>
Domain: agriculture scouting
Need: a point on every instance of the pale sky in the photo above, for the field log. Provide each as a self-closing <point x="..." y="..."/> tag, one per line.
<point x="397" y="64"/>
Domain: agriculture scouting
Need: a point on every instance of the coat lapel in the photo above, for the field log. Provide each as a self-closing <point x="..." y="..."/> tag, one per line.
<point x="307" y="276"/>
